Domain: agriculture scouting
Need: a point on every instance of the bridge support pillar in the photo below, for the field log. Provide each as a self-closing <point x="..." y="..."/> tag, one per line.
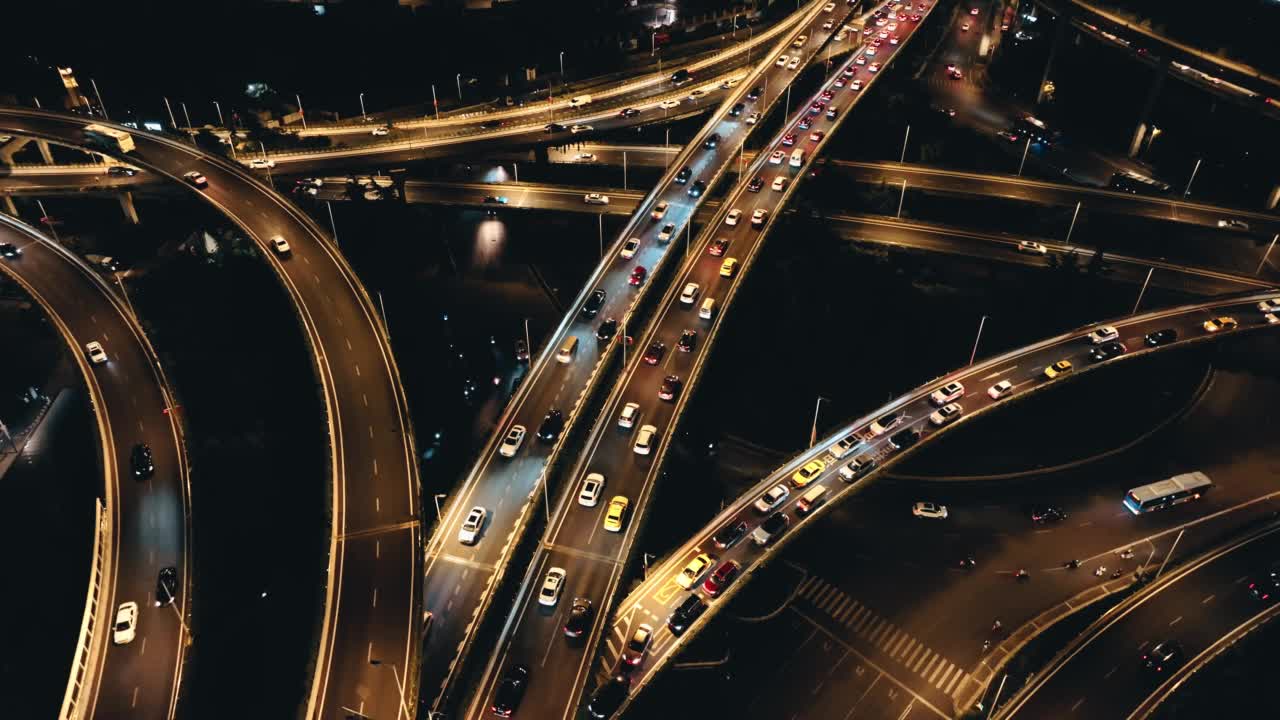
<point x="1059" y="37"/>
<point x="8" y="205"/>
<point x="44" y="151"/>
<point x="126" y="204"/>
<point x="1272" y="200"/>
<point x="540" y="155"/>
<point x="1141" y="132"/>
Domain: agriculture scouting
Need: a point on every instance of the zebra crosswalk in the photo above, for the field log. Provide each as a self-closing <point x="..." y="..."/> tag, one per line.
<point x="910" y="653"/>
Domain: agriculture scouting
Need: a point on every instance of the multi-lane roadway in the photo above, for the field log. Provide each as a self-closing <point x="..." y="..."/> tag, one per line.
<point x="371" y="609"/>
<point x="148" y="512"/>
<point x="459" y="578"/>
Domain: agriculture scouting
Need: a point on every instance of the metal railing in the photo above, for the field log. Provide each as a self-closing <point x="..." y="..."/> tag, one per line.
<point x="81" y="664"/>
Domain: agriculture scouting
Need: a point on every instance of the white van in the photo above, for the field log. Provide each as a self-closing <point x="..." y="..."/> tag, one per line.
<point x="797" y="157"/>
<point x="708" y="309"/>
<point x="568" y="349"/>
<point x="811" y="500"/>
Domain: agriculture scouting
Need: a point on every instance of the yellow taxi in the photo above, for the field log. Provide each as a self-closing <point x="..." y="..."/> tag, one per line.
<point x="728" y="267"/>
<point x="1061" y="367"/>
<point x="1220" y="323"/>
<point x="616" y="513"/>
<point x="694" y="570"/>
<point x="806" y="474"/>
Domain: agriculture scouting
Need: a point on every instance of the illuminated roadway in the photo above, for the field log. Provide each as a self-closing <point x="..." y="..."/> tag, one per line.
<point x="459" y="578"/>
<point x="653" y="600"/>
<point x="593" y="557"/>
<point x="1202" y="605"/>
<point x="374" y="549"/>
<point x="148" y="517"/>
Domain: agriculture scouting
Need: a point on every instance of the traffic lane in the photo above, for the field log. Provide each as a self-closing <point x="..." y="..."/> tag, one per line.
<point x="151" y="527"/>
<point x="538" y="641"/>
<point x="17" y="183"/>
<point x="1105" y="677"/>
<point x="913" y="407"/>
<point x="372" y="623"/>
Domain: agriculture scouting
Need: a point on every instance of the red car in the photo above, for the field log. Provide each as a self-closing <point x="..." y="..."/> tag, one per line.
<point x="827" y="95"/>
<point x="817" y="107"/>
<point x="638" y="275"/>
<point x="717" y="581"/>
<point x="654" y="354"/>
<point x="789" y="139"/>
<point x="718" y="246"/>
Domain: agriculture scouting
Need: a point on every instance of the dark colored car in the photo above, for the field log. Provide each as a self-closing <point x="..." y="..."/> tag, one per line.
<point x="805" y="122"/>
<point x="607" y="330"/>
<point x="140" y="459"/>
<point x="718" y="246"/>
<point x="166" y="585"/>
<point x="1047" y="513"/>
<point x="671" y="385"/>
<point x="491" y="124"/>
<point x="1164" y="655"/>
<point x="579" y="618"/>
<point x="904" y="439"/>
<point x="680" y="77"/>
<point x="688" y="341"/>
<point x="817" y="107"/>
<point x="594" y="303"/>
<point x="1161" y="337"/>
<point x="1266" y="586"/>
<point x="607" y="698"/>
<point x="683" y="176"/>
<point x="711" y="142"/>
<point x="737" y="109"/>
<point x="684" y="614"/>
<point x="495" y="200"/>
<point x="522" y="350"/>
<point x="755" y="93"/>
<point x="654" y="354"/>
<point x="510" y="691"/>
<point x="697" y="188"/>
<point x="1106" y="351"/>
<point x="755" y="184"/>
<point x="121" y="171"/>
<point x="728" y="536"/>
<point x="551" y="426"/>
<point x="629" y="113"/>
<point x="554" y="128"/>
<point x="717" y="581"/>
<point x="9" y="250"/>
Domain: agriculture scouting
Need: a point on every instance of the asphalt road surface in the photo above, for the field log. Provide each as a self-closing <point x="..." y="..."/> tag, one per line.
<point x="148" y="515"/>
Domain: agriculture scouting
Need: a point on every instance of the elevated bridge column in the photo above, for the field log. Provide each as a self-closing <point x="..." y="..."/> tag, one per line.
<point x="1059" y="37"/>
<point x="126" y="204"/>
<point x="540" y="155"/>
<point x="1140" y="132"/>
<point x="12" y="209"/>
<point x="44" y="151"/>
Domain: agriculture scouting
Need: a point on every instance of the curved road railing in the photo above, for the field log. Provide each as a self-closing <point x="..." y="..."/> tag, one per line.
<point x="658" y="594"/>
<point x="371" y="448"/>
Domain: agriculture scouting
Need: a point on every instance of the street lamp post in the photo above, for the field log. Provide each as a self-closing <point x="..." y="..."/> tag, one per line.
<point x="332" y="225"/>
<point x="1194" y="170"/>
<point x="186" y="115"/>
<point x="1074" y="215"/>
<point x="363" y="116"/>
<point x="1143" y="291"/>
<point x="172" y="123"/>
<point x="264" y="158"/>
<point x="438" y="496"/>
<point x="653" y="42"/>
<point x="1025" y="150"/>
<point x="459" y="80"/>
<point x="528" y="343"/>
<point x="434" y="102"/>
<point x="1267" y="254"/>
<point x="813" y="429"/>
<point x="561" y="67"/>
<point x="216" y="106"/>
<point x="902" y="198"/>
<point x="905" y="136"/>
<point x="301" y="113"/>
<point x="981" y="324"/>
<point x="624" y="169"/>
<point x="48" y="220"/>
<point x="1168" y="554"/>
<point x="101" y="105"/>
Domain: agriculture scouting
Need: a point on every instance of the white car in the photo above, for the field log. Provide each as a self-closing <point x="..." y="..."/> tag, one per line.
<point x="629" y="248"/>
<point x="828" y="25"/>
<point x="953" y="390"/>
<point x="795" y="63"/>
<point x="1000" y="389"/>
<point x="1106" y="333"/>
<point x="777" y="157"/>
<point x="1271" y="305"/>
<point x="1234" y="224"/>
<point x="592" y="486"/>
<point x="758" y="217"/>
<point x="380" y="130"/>
<point x="262" y="163"/>
<point x="730" y="83"/>
<point x="781" y="61"/>
<point x="829" y="7"/>
<point x="630" y="413"/>
<point x="753" y="118"/>
<point x="732" y="217"/>
<point x="946" y="414"/>
<point x="126" y="627"/>
<point x="697" y="94"/>
<point x="772" y="498"/>
<point x="595" y="199"/>
<point x="471" y="526"/>
<point x="842" y="446"/>
<point x="1270" y="318"/>
<point x="1032" y="247"/>
<point x="860" y="60"/>
<point x="779" y="183"/>
<point x="668" y="104"/>
<point x="586" y="157"/>
<point x="549" y="595"/>
<point x="667" y="232"/>
<point x="929" y="510"/>
<point x="280" y="245"/>
<point x="96" y="354"/>
<point x="689" y="295"/>
<point x="575" y="129"/>
<point x="196" y="179"/>
<point x="659" y="211"/>
<point x="645" y="440"/>
<point x="512" y="442"/>
<point x="873" y="67"/>
<point x="855" y="85"/>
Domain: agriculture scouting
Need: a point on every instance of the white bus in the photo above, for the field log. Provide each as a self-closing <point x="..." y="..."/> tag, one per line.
<point x="109" y="138"/>
<point x="1163" y="494"/>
